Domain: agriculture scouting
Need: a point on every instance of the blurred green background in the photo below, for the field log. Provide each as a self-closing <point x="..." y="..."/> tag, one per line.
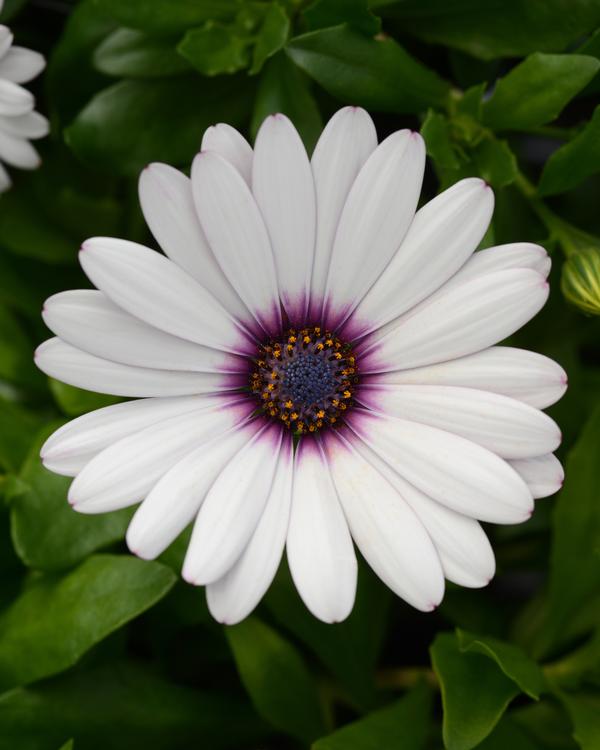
<point x="101" y="650"/>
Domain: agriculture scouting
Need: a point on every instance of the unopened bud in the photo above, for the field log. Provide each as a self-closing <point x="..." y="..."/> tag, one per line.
<point x="580" y="281"/>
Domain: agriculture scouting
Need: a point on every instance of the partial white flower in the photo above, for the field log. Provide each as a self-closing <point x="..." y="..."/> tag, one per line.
<point x="315" y="366"/>
<point x="19" y="123"/>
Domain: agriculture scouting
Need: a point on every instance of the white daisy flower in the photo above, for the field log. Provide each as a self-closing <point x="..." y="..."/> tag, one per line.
<point x="19" y="123"/>
<point x="315" y="367"/>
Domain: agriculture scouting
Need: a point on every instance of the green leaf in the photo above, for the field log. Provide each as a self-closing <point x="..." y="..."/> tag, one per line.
<point x="271" y="37"/>
<point x="215" y="49"/>
<point x="475" y="693"/>
<point x="133" y="54"/>
<point x="10" y="8"/>
<point x="536" y="91"/>
<point x="512" y="660"/>
<point x="69" y="745"/>
<point x="167" y="16"/>
<point x="71" y="77"/>
<point x="376" y="73"/>
<point x="283" y="88"/>
<point x="276" y="678"/>
<point x="508" y="734"/>
<point x="438" y="140"/>
<point x="355" y="13"/>
<point x="19" y="427"/>
<point x="511" y="28"/>
<point x="58" y="618"/>
<point x="75" y="401"/>
<point x="584" y="710"/>
<point x="404" y="724"/>
<point x="573" y="162"/>
<point x="349" y="649"/>
<point x="123" y="707"/>
<point x="47" y="533"/>
<point x="495" y="162"/>
<point x="575" y="554"/>
<point x="135" y="122"/>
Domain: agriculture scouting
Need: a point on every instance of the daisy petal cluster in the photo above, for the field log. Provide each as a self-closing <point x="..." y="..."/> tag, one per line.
<point x="314" y="367"/>
<point x="19" y="123"/>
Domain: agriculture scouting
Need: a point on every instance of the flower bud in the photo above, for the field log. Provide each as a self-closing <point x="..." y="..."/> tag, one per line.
<point x="580" y="281"/>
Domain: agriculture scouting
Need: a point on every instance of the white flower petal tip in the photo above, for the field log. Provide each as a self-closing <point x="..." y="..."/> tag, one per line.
<point x="18" y="121"/>
<point x="319" y="546"/>
<point x="231" y="145"/>
<point x="544" y="475"/>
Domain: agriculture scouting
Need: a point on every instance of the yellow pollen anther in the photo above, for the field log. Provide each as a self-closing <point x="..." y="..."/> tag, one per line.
<point x="289" y="404"/>
<point x="347" y="394"/>
<point x="306" y="339"/>
<point x="320" y="414"/>
<point x="293" y="416"/>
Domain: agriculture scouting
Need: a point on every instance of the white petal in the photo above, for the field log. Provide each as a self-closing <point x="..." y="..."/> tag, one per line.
<point x="529" y="377"/>
<point x="237" y="235"/>
<point x="5" y="181"/>
<point x="168" y="207"/>
<point x="231" y="145"/>
<point x="176" y="498"/>
<point x="319" y="546"/>
<point x="502" y="258"/>
<point x="30" y="125"/>
<point x="464" y="550"/>
<point x="21" y="65"/>
<point x="282" y="184"/>
<point x="232" y="509"/>
<point x="450" y="469"/>
<point x="460" y="321"/>
<point x="14" y="99"/>
<point x="386" y="530"/>
<point x="156" y="290"/>
<point x="18" y="152"/>
<point x="503" y="425"/>
<point x="64" y="362"/>
<point x="124" y="473"/>
<point x="6" y="38"/>
<point x="343" y="147"/>
<point x="544" y="475"/>
<point x="88" y="320"/>
<point x="74" y="444"/>
<point x="443" y="234"/>
<point x="376" y="216"/>
<point x="236" y="594"/>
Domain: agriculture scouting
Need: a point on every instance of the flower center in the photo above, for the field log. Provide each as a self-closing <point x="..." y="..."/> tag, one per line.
<point x="306" y="379"/>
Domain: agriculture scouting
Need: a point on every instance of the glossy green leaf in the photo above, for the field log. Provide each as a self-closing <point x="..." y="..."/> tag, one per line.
<point x="58" y="618"/>
<point x="215" y="49"/>
<point x="584" y="711"/>
<point x="271" y="37"/>
<point x="575" y="557"/>
<point x="124" y="707"/>
<point x="575" y="161"/>
<point x="132" y="54"/>
<point x="349" y="649"/>
<point x="75" y="401"/>
<point x="438" y="140"/>
<point x="276" y="678"/>
<point x="323" y="13"/>
<point x="512" y="660"/>
<point x="135" y="122"/>
<point x="375" y="73"/>
<point x="511" y="28"/>
<point x="166" y="16"/>
<point x="404" y="724"/>
<point x="537" y="90"/>
<point x="284" y="88"/>
<point x="495" y="162"/>
<point x="475" y="693"/>
<point x="47" y="533"/>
